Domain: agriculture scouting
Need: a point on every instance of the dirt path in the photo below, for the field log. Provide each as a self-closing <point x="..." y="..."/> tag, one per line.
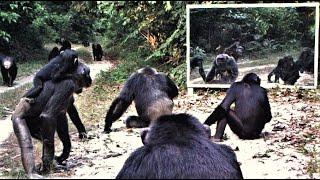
<point x="276" y="156"/>
<point x="6" y="124"/>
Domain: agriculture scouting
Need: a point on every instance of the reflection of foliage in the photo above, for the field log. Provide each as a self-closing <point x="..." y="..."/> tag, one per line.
<point x="257" y="28"/>
<point x="197" y="52"/>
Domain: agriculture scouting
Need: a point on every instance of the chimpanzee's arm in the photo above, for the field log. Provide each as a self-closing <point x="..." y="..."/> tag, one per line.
<point x="211" y="74"/>
<point x="201" y="71"/>
<point x="74" y="116"/>
<point x="222" y="110"/>
<point x="120" y="104"/>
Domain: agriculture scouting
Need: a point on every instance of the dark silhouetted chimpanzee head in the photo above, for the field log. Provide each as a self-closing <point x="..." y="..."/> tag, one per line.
<point x="251" y="78"/>
<point x="178" y="147"/>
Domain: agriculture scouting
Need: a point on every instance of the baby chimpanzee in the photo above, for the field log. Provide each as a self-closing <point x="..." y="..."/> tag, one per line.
<point x="59" y="68"/>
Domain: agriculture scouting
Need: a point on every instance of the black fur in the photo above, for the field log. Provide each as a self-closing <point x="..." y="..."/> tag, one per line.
<point x="53" y="53"/>
<point x="178" y="147"/>
<point x="224" y="68"/>
<point x="65" y="45"/>
<point x="97" y="52"/>
<point x="197" y="61"/>
<point x="306" y="60"/>
<point x="9" y="73"/>
<point x="287" y="70"/>
<point x="59" y="68"/>
<point x="251" y="113"/>
<point x="152" y="93"/>
<point x="47" y="115"/>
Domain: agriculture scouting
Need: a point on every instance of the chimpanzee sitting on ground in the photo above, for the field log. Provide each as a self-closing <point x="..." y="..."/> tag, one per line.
<point x="287" y="70"/>
<point x="54" y="52"/>
<point x="9" y="69"/>
<point x="224" y="67"/>
<point x="178" y="147"/>
<point x="59" y="68"/>
<point x="306" y="60"/>
<point x="152" y="93"/>
<point x="45" y="116"/>
<point x="196" y="61"/>
<point x="251" y="113"/>
<point x="97" y="52"/>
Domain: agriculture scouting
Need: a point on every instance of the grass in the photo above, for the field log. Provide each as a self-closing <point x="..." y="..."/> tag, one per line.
<point x="9" y="99"/>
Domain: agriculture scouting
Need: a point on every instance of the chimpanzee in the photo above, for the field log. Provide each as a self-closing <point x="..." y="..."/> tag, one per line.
<point x="152" y="93"/>
<point x="43" y="117"/>
<point x="196" y="61"/>
<point x="85" y="43"/>
<point x="57" y="69"/>
<point x="65" y="45"/>
<point x="53" y="53"/>
<point x="97" y="52"/>
<point x="9" y="69"/>
<point x="235" y="50"/>
<point x="252" y="109"/>
<point x="178" y="147"/>
<point x="287" y="70"/>
<point x="225" y="67"/>
<point x="306" y="60"/>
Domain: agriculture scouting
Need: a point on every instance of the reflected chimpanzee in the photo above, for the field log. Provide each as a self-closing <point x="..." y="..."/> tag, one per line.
<point x="306" y="60"/>
<point x="47" y="114"/>
<point x="287" y="70"/>
<point x="235" y="50"/>
<point x="59" y="68"/>
<point x="53" y="53"/>
<point x="65" y="45"/>
<point x="196" y="61"/>
<point x="224" y="67"/>
<point x="251" y="113"/>
<point x="97" y="52"/>
<point x="178" y="147"/>
<point x="152" y="93"/>
<point x="9" y="69"/>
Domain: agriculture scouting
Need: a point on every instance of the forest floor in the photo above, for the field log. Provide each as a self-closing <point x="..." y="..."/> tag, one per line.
<point x="290" y="150"/>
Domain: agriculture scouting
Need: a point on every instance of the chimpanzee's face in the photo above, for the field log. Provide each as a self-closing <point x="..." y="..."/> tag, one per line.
<point x="7" y="63"/>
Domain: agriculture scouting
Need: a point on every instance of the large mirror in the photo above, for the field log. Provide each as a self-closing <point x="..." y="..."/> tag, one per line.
<point x="278" y="42"/>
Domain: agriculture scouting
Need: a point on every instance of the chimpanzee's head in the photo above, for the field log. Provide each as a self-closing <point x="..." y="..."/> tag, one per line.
<point x="251" y="78"/>
<point x="83" y="78"/>
<point x="7" y="62"/>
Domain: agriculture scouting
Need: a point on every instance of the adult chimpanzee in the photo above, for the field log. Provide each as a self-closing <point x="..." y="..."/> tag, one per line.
<point x="252" y="109"/>
<point x="178" y="147"/>
<point x="287" y="70"/>
<point x="46" y="115"/>
<point x="196" y="61"/>
<point x="235" y="50"/>
<point x="53" y="53"/>
<point x="57" y="69"/>
<point x="97" y="52"/>
<point x="152" y="93"/>
<point x="9" y="69"/>
<point x="225" y="67"/>
<point x="306" y="60"/>
<point x="65" y="45"/>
